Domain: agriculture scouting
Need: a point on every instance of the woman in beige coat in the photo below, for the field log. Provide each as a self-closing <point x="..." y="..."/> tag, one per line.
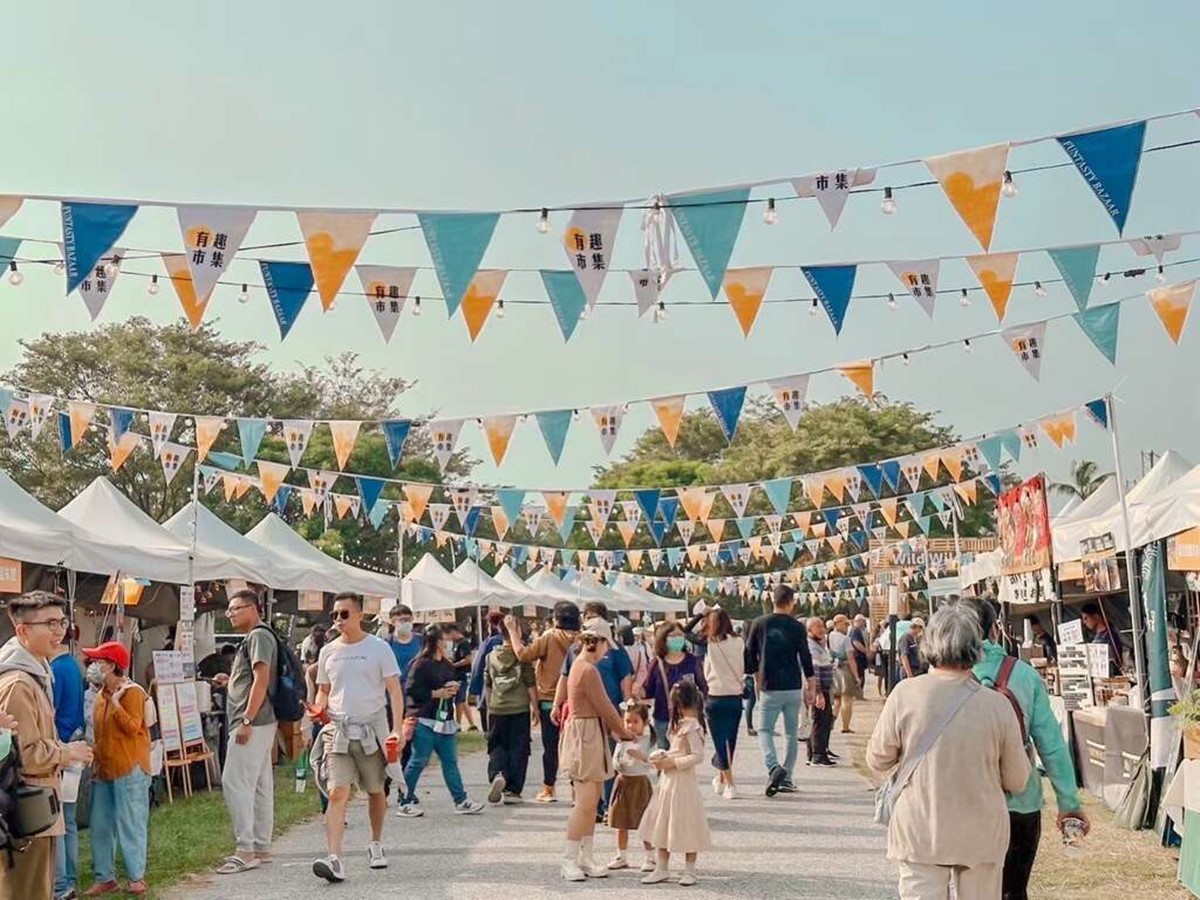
<point x="950" y="824"/>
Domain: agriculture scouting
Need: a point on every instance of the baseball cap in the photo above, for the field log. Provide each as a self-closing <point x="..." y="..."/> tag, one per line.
<point x="112" y="651"/>
<point x="600" y="628"/>
<point x="918" y="622"/>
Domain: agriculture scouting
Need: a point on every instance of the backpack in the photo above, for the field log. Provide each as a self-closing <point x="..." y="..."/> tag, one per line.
<point x="149" y="710"/>
<point x="287" y="691"/>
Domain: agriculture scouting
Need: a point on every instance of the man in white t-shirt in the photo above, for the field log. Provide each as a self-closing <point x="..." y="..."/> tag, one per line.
<point x="357" y="676"/>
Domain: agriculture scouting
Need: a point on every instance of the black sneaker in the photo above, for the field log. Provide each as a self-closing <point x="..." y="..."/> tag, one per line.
<point x="823" y="762"/>
<point x="834" y="756"/>
<point x="788" y="787"/>
<point x="778" y="777"/>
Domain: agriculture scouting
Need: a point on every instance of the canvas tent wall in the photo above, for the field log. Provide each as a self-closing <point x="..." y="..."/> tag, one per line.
<point x="486" y="589"/>
<point x="546" y="584"/>
<point x="430" y="588"/>
<point x="650" y="601"/>
<point x="332" y="575"/>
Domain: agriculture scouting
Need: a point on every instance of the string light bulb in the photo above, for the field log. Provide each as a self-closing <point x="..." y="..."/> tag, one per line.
<point x="500" y="313"/>
<point x="110" y="267"/>
<point x="244" y="294"/>
<point x="1160" y="276"/>
<point x="1038" y="289"/>
<point x="1105" y="277"/>
<point x="60" y="267"/>
<point x="815" y="308"/>
<point x="660" y="312"/>
<point x="964" y="300"/>
<point x="967" y="344"/>
<point x="904" y="358"/>
<point x="543" y="222"/>
<point x="586" y="312"/>
<point x="14" y="275"/>
<point x="417" y="306"/>
<point x="152" y="288"/>
<point x="889" y="202"/>
<point x="891" y="301"/>
<point x="1009" y="188"/>
<point x="771" y="215"/>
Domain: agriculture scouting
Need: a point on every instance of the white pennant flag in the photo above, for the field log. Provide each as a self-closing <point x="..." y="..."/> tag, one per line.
<point x="296" y="433"/>
<point x="686" y="528"/>
<point x="608" y="420"/>
<point x="1027" y="343"/>
<point x="463" y="499"/>
<point x="645" y="289"/>
<point x="438" y="514"/>
<point x="601" y="505"/>
<point x="588" y="242"/>
<point x="832" y="189"/>
<point x="95" y="288"/>
<point x="919" y="277"/>
<point x="17" y="417"/>
<point x="532" y="517"/>
<point x="738" y="496"/>
<point x="632" y="511"/>
<point x="595" y="530"/>
<point x="912" y="471"/>
<point x="1156" y="245"/>
<point x="320" y="482"/>
<point x="789" y="394"/>
<point x="386" y="288"/>
<point x="444" y="435"/>
<point x="172" y="456"/>
<point x="40" y="407"/>
<point x="211" y="236"/>
<point x="161" y="425"/>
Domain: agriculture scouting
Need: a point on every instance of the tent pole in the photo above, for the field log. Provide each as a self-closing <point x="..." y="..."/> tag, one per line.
<point x="399" y="554"/>
<point x="1135" y="606"/>
<point x="195" y="516"/>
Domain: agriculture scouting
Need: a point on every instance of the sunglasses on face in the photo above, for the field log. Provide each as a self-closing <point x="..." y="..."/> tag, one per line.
<point x="341" y="614"/>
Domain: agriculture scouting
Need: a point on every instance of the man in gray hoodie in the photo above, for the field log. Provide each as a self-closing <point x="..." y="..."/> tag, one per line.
<point x="39" y="620"/>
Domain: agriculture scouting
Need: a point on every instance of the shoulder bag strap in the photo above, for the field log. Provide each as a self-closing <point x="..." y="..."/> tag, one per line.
<point x="1001" y="685"/>
<point x="929" y="738"/>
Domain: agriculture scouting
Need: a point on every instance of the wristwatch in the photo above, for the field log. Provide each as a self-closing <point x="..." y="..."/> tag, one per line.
<point x="246" y="720"/>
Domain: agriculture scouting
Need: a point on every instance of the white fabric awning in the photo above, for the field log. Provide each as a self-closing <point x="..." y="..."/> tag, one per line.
<point x="430" y="588"/>
<point x="258" y="563"/>
<point x="487" y="590"/>
<point x="330" y="574"/>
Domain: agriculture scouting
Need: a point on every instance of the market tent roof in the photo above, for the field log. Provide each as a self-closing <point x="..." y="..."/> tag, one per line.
<point x="486" y="589"/>
<point x="428" y="588"/>
<point x="511" y="580"/>
<point x="651" y="601"/>
<point x="1097" y="502"/>
<point x="1146" y="501"/>
<point x="587" y="589"/>
<point x="258" y="563"/>
<point x="549" y="586"/>
<point x="30" y="532"/>
<point x="1168" y="511"/>
<point x="332" y="575"/>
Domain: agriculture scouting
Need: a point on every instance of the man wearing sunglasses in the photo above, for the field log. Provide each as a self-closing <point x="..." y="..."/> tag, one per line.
<point x="40" y="621"/>
<point x="357" y="677"/>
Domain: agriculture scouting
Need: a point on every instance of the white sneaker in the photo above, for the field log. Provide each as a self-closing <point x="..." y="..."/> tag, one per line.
<point x="467" y="808"/>
<point x="718" y="786"/>
<point x="375" y="857"/>
<point x="687" y="879"/>
<point x="330" y="868"/>
<point x="587" y="862"/>
<point x="410" y="811"/>
<point x="497" y="791"/>
<point x="657" y="876"/>
<point x="618" y="862"/>
<point x="570" y="871"/>
<point x="730" y="792"/>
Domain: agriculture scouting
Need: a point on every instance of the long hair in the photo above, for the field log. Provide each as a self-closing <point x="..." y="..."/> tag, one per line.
<point x="717" y="625"/>
<point x="685" y="695"/>
<point x="665" y="630"/>
<point x="430" y="641"/>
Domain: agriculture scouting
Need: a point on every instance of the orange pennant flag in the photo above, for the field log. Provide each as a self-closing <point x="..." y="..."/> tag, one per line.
<point x="691" y="499"/>
<point x="121" y="450"/>
<point x="995" y="272"/>
<point x="755" y="545"/>
<point x="862" y="375"/>
<point x="500" y="521"/>
<point x="670" y="413"/>
<point x="802" y="519"/>
<point x="334" y="241"/>
<point x="889" y="508"/>
<point x="441" y="537"/>
<point x="207" y="430"/>
<point x="1172" y="304"/>
<point x="696" y="554"/>
<point x="499" y="430"/>
<point x="343" y="504"/>
<point x="745" y="289"/>
<point x="768" y="554"/>
<point x="241" y="487"/>
<point x="903" y="528"/>
<point x="180" y="276"/>
<point x="635" y="558"/>
<point x="271" y="475"/>
<point x="418" y="498"/>
<point x="345" y="434"/>
<point x="932" y="465"/>
<point x="968" y="490"/>
<point x="972" y="180"/>
<point x="835" y="543"/>
<point x="480" y="297"/>
<point x="1060" y="429"/>
<point x="308" y="500"/>
<point x="814" y="487"/>
<point x="627" y="528"/>
<point x="230" y="483"/>
<point x="836" y="484"/>
<point x="953" y="460"/>
<point x="716" y="528"/>
<point x="556" y="504"/>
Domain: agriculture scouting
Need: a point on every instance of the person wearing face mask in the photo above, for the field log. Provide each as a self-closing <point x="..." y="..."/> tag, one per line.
<point x="120" y="812"/>
<point x="405" y="645"/>
<point x="672" y="664"/>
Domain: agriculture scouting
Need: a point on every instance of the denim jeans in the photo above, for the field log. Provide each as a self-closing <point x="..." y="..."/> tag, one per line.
<point x="427" y="742"/>
<point x="661" y="739"/>
<point x="66" y="853"/>
<point x="120" y="818"/>
<point x="772" y="705"/>
<point x="724" y="717"/>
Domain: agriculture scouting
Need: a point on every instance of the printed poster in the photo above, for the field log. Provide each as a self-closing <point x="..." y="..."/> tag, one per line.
<point x="1023" y="517"/>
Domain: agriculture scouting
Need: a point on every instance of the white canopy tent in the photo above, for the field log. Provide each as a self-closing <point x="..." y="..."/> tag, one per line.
<point x="650" y="601"/>
<point x="326" y="573"/>
<point x="430" y="588"/>
<point x="588" y="589"/>
<point x="30" y="532"/>
<point x="549" y="586"/>
<point x="1169" y="510"/>
<point x="486" y="589"/>
<point x="511" y="580"/>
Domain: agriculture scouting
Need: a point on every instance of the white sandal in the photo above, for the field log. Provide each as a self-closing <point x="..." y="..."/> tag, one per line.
<point x="235" y="865"/>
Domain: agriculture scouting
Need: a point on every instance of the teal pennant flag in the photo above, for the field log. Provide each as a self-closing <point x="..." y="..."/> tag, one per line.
<point x="1100" y="325"/>
<point x="710" y="224"/>
<point x="457" y="242"/>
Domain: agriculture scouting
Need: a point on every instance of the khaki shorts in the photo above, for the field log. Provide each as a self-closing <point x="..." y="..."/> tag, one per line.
<point x="367" y="770"/>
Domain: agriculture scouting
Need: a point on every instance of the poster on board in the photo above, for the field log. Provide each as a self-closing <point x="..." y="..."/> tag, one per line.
<point x="1023" y="518"/>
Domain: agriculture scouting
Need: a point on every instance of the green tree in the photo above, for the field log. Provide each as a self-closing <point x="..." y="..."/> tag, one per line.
<point x="1086" y="477"/>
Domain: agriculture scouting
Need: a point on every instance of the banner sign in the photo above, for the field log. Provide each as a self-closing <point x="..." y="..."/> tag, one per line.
<point x="1023" y="518"/>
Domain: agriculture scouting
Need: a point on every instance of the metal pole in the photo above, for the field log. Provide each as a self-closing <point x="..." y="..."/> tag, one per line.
<point x="192" y="529"/>
<point x="928" y="587"/>
<point x="1135" y="605"/>
<point x="957" y="544"/>
<point x="893" y="616"/>
<point x="399" y="554"/>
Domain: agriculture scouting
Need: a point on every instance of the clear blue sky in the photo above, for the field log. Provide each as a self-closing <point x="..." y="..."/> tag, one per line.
<point x="521" y="104"/>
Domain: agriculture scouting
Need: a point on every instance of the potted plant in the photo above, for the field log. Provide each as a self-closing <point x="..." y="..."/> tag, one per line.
<point x="1188" y="712"/>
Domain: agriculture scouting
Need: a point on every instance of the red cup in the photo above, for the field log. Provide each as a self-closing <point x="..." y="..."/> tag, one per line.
<point x="392" y="748"/>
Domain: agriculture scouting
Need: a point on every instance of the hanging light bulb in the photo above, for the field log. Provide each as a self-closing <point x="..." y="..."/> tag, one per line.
<point x="152" y="288"/>
<point x="14" y="276"/>
<point x="660" y="312"/>
<point x="891" y="301"/>
<point x="1160" y="276"/>
<point x="244" y="294"/>
<point x="543" y="222"/>
<point x="110" y="267"/>
<point x="904" y="358"/>
<point x="60" y="267"/>
<point x="967" y="344"/>
<point x="1010" y="187"/>
<point x="889" y="202"/>
<point x="1038" y="289"/>
<point x="770" y="216"/>
<point x="417" y="306"/>
<point x="586" y="312"/>
<point x="964" y="299"/>
<point x="500" y="313"/>
<point x="1105" y="277"/>
<point x="815" y="308"/>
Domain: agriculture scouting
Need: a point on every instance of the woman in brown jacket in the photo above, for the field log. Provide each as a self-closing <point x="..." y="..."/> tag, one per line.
<point x="586" y="759"/>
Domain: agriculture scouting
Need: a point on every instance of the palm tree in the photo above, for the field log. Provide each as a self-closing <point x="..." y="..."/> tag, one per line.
<point x="1085" y="479"/>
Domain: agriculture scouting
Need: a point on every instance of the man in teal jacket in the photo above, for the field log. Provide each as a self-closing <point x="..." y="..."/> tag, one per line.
<point x="1025" y="808"/>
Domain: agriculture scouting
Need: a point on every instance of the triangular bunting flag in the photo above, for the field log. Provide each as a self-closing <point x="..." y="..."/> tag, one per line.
<point x="345" y="435"/>
<point x="833" y="286"/>
<point x="919" y="277"/>
<point x="386" y="287"/>
<point x="647" y="500"/>
<point x="873" y="477"/>
<point x="120" y="449"/>
<point x="1077" y="265"/>
<point x="567" y="525"/>
<point x="161" y="425"/>
<point x="554" y="424"/>
<point x="862" y="376"/>
<point x="288" y="285"/>
<point x="80" y="415"/>
<point x="211" y="237"/>
<point x="270" y="476"/>
<point x="418" y="498"/>
<point x="608" y="421"/>
<point x="556" y="504"/>
<point x="499" y="521"/>
<point x="98" y="284"/>
<point x="645" y="290"/>
<point x="790" y="394"/>
<point x="727" y="405"/>
<point x="1098" y="410"/>
<point x="369" y="489"/>
<point x="120" y="420"/>
<point x="627" y="529"/>
<point x="745" y="289"/>
<point x="40" y="407"/>
<point x="995" y="272"/>
<point x="737" y="496"/>
<point x="395" y="433"/>
<point x="498" y="430"/>
<point x="972" y="180"/>
<point x="296" y="433"/>
<point x="932" y="464"/>
<point x="832" y="189"/>
<point x="600" y="505"/>
<point x="480" y="297"/>
<point x="511" y="501"/>
<point x="180" y="275"/>
<point x="710" y="223"/>
<point x="438" y="514"/>
<point x="1100" y="325"/>
<point x="779" y="493"/>
<point x="444" y="434"/>
<point x="588" y="242"/>
<point x="1028" y="343"/>
<point x="567" y="299"/>
<point x="1108" y="160"/>
<point x="172" y="458"/>
<point x="1060" y="429"/>
<point x="208" y="428"/>
<point x="250" y="433"/>
<point x="669" y="411"/>
<point x="334" y="240"/>
<point x="89" y="231"/>
<point x="990" y="448"/>
<point x="457" y="243"/>
<point x="716" y="528"/>
<point x="1171" y="304"/>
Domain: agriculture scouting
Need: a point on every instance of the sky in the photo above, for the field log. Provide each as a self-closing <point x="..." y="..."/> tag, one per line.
<point x="493" y="106"/>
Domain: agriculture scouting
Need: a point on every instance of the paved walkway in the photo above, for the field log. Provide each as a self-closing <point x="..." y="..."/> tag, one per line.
<point x="819" y="843"/>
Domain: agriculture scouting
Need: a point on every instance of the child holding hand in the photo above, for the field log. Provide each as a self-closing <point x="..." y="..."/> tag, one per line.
<point x="633" y="789"/>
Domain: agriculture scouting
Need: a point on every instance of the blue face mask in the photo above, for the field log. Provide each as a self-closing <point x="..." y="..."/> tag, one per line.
<point x="676" y="643"/>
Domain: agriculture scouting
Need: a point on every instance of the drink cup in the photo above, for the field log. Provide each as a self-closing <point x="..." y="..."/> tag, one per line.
<point x="392" y="747"/>
<point x="1073" y="832"/>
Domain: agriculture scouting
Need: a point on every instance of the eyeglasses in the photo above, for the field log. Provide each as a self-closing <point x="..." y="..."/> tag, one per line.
<point x="53" y="624"/>
<point x="233" y="609"/>
<point x="342" y="614"/>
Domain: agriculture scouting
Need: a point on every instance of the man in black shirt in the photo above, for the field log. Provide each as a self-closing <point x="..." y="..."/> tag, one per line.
<point x="777" y="653"/>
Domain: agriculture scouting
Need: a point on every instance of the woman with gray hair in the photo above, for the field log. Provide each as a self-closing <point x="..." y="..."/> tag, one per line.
<point x="961" y="746"/>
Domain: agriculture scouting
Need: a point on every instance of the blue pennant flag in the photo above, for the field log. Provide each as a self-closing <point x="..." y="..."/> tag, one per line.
<point x="779" y="492"/>
<point x="568" y="524"/>
<point x="395" y="433"/>
<point x="668" y="508"/>
<point x="511" y="500"/>
<point x="8" y="250"/>
<point x="520" y="553"/>
<point x="554" y="425"/>
<point x="923" y="523"/>
<point x="858" y="539"/>
<point x="282" y="494"/>
<point x="457" y="242"/>
<point x="833" y="286"/>
<point x="789" y="550"/>
<point x="89" y="231"/>
<point x="658" y="531"/>
<point x="369" y="489"/>
<point x="228" y="461"/>
<point x="1010" y="440"/>
<point x="872" y="477"/>
<point x="1077" y="265"/>
<point x="831" y="517"/>
<point x="611" y="576"/>
<point x="726" y="555"/>
<point x="471" y="522"/>
<point x="618" y="559"/>
<point x="64" y="432"/>
<point x="727" y="404"/>
<point x="378" y="513"/>
<point x="1108" y="160"/>
<point x="674" y="556"/>
<point x="939" y="503"/>
<point x="121" y="419"/>
<point x="1100" y="324"/>
<point x="891" y="473"/>
<point x="250" y="433"/>
<point x="745" y="525"/>
<point x="648" y="501"/>
<point x="566" y="298"/>
<point x="993" y="482"/>
<point x="710" y="224"/>
<point x="288" y="285"/>
<point x="1098" y="410"/>
<point x="472" y="547"/>
<point x="990" y="448"/>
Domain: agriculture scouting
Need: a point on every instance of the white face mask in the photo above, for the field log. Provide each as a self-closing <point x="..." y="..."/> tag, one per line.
<point x="404" y="629"/>
<point x="95" y="674"/>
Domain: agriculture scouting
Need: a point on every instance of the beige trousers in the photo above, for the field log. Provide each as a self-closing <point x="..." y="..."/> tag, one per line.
<point x="926" y="882"/>
<point x="32" y="875"/>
